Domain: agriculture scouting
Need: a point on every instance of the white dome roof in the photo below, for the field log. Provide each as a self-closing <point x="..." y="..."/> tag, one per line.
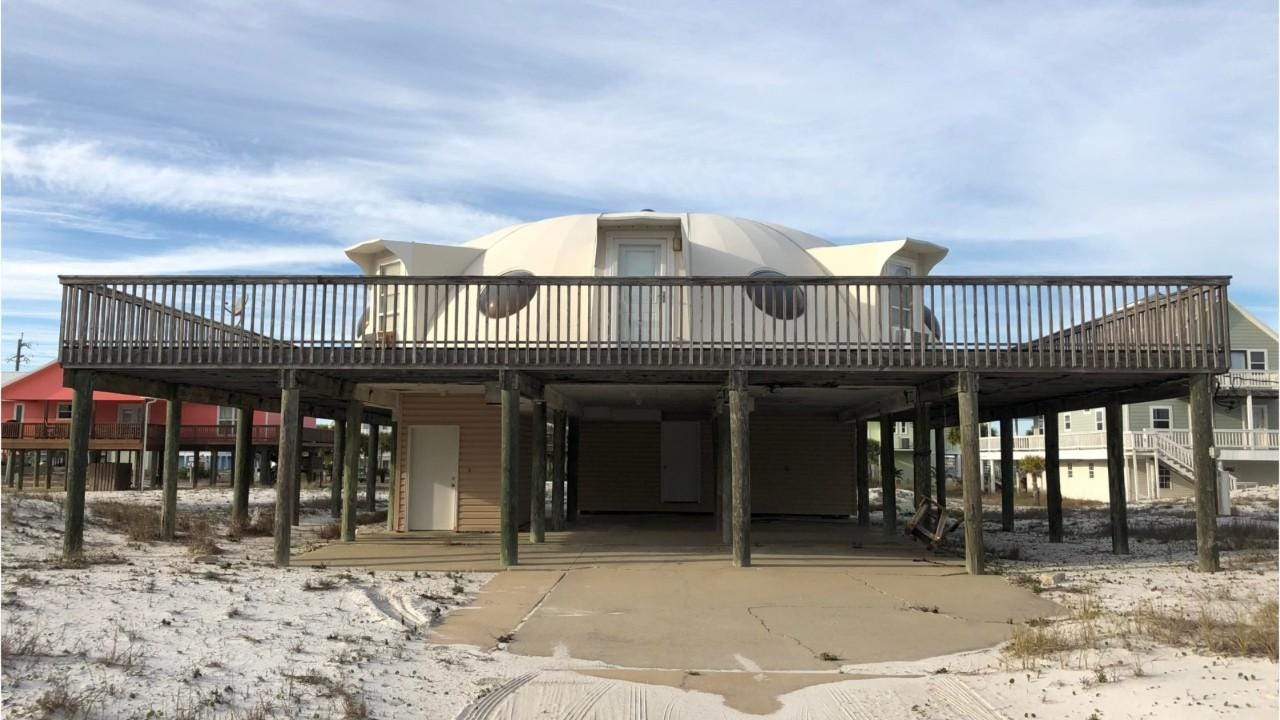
<point x="711" y="245"/>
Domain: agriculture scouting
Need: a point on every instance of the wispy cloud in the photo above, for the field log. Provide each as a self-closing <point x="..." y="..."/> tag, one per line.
<point x="1044" y="137"/>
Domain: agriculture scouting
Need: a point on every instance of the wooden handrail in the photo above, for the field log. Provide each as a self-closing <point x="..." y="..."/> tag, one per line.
<point x="1085" y="324"/>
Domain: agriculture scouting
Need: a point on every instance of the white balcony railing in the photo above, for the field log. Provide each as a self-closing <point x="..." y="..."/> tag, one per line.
<point x="1250" y="380"/>
<point x="1142" y="440"/>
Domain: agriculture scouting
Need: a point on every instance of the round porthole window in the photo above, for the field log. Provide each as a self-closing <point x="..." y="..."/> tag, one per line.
<point x="785" y="302"/>
<point x="499" y="301"/>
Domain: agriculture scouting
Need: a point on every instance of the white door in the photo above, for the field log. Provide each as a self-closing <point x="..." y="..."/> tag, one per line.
<point x="433" y="476"/>
<point x="638" y="306"/>
<point x="679" y="455"/>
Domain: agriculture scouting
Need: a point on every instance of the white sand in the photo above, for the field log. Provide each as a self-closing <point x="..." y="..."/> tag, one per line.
<point x="161" y="632"/>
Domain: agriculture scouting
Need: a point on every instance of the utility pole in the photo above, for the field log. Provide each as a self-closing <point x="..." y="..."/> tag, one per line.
<point x="18" y="357"/>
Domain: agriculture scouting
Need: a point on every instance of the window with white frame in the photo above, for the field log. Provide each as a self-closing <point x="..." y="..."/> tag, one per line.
<point x="388" y="300"/>
<point x="1090" y="471"/>
<point x="19" y="412"/>
<point x="1248" y="359"/>
<point x="1164" y="477"/>
<point x="63" y="411"/>
<point x="1161" y="418"/>
<point x="1099" y="420"/>
<point x="901" y="301"/>
<point x="226" y="421"/>
<point x="1066" y="421"/>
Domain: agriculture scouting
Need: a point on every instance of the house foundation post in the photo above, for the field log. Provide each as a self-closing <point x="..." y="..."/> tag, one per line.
<point x="509" y="382"/>
<point x="557" y="469"/>
<point x="22" y="469"/>
<point x="351" y="471"/>
<point x="920" y="452"/>
<point x="48" y="469"/>
<point x="243" y="470"/>
<point x="971" y="474"/>
<point x="1206" y="473"/>
<point x="888" y="483"/>
<point x="571" y="471"/>
<point x="538" y="476"/>
<point x="393" y="477"/>
<point x="940" y="464"/>
<point x="1053" y="476"/>
<point x="1115" y="480"/>
<point x="1008" y="475"/>
<point x="740" y="460"/>
<point x="169" y="505"/>
<point x="77" y="463"/>
<point x="862" y="472"/>
<point x="338" y="463"/>
<point x="371" y="469"/>
<point x="724" y="475"/>
<point x="287" y="476"/>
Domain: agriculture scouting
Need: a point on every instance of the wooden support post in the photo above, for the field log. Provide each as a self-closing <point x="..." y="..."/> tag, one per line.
<point x="509" y="381"/>
<point x="22" y="469"/>
<point x="371" y="468"/>
<point x="740" y="461"/>
<point x="78" y="464"/>
<point x="888" y="483"/>
<point x="295" y="482"/>
<point x="48" y="469"/>
<point x="971" y="474"/>
<point x="338" y="462"/>
<point x="351" y="471"/>
<point x="717" y="440"/>
<point x="136" y="455"/>
<point x="393" y="478"/>
<point x="557" y="469"/>
<point x="571" y="471"/>
<point x="538" y="477"/>
<point x="264" y="467"/>
<point x="1206" y="473"/>
<point x="940" y="464"/>
<point x="1053" y="476"/>
<point x="862" y="471"/>
<point x="920" y="452"/>
<point x="1008" y="475"/>
<point x="724" y="470"/>
<point x="169" y="506"/>
<point x="10" y="462"/>
<point x="287" y="475"/>
<point x="242" y="472"/>
<point x="195" y="467"/>
<point x="1115" y="479"/>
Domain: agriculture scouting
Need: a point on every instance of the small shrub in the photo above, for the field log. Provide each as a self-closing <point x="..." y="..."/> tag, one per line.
<point x="828" y="657"/>
<point x="313" y="583"/>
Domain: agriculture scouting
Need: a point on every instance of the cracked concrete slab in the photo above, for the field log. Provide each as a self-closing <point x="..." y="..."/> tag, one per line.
<point x="770" y="618"/>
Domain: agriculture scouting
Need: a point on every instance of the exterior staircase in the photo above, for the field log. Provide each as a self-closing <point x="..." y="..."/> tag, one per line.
<point x="1181" y="459"/>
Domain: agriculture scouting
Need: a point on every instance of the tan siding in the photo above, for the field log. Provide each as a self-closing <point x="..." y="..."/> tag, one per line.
<point x="478" y="455"/>
<point x="801" y="465"/>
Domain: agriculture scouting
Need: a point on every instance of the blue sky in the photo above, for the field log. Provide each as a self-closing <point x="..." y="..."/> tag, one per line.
<point x="224" y="137"/>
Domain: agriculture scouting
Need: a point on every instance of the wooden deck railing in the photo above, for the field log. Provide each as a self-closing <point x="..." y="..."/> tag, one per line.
<point x="1027" y="323"/>
<point x="187" y="435"/>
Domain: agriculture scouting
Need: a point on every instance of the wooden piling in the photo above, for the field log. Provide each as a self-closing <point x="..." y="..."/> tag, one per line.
<point x="1008" y="474"/>
<point x="1115" y="480"/>
<point x="538" y="476"/>
<point x="287" y="475"/>
<point x="371" y="468"/>
<point x="888" y="483"/>
<point x="393" y="477"/>
<point x="740" y="460"/>
<point x="242" y="472"/>
<point x="1053" y="476"/>
<point x="920" y="452"/>
<point x="1206" y="473"/>
<point x="78" y="464"/>
<point x="351" y="473"/>
<point x="971" y="474"/>
<point x="724" y="468"/>
<point x="338" y="463"/>
<point x="862" y="472"/>
<point x="940" y="464"/>
<point x="169" y="505"/>
<point x="557" y="469"/>
<point x="509" y="382"/>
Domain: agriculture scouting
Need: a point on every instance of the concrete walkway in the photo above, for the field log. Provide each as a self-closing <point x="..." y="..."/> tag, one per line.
<point x="658" y="602"/>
